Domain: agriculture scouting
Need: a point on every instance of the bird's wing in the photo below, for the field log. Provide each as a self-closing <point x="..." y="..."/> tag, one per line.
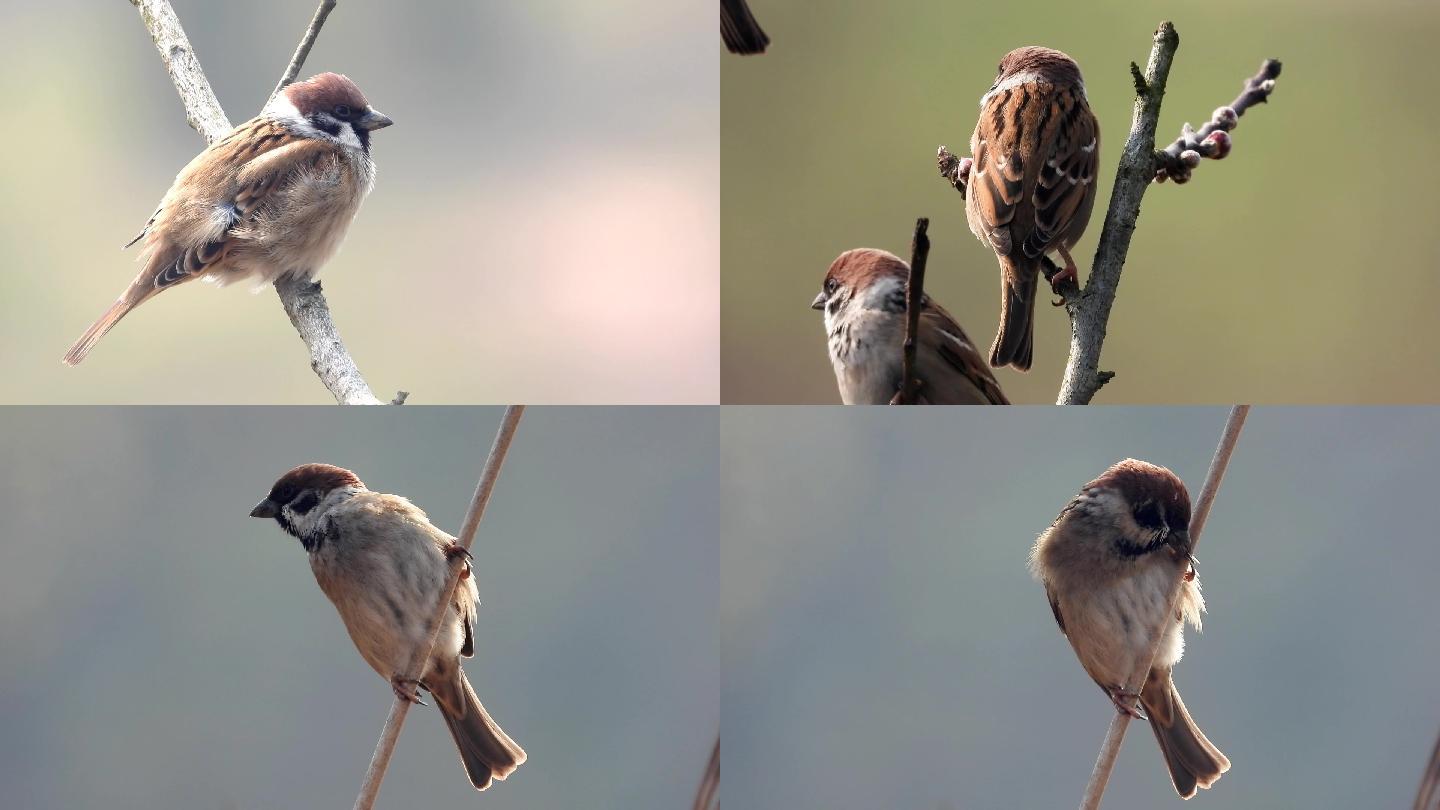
<point x="997" y="179"/>
<point x="1067" y="178"/>
<point x="1055" y="607"/>
<point x="266" y="155"/>
<point x="964" y="377"/>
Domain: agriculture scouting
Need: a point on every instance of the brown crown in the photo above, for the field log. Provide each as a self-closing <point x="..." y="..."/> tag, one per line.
<point x="1142" y="482"/>
<point x="321" y="477"/>
<point x="324" y="92"/>
<point x="858" y="268"/>
<point x="1054" y="65"/>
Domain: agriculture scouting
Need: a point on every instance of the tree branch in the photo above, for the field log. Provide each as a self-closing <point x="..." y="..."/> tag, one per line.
<point x="1429" y="796"/>
<point x="302" y="51"/>
<point x="1115" y="734"/>
<point x="1140" y="163"/>
<point x="303" y="301"/>
<point x="202" y="109"/>
<point x="370" y="788"/>
<point x="1176" y="161"/>
<point x="708" y="796"/>
<point x="914" y="303"/>
<point x="1090" y="310"/>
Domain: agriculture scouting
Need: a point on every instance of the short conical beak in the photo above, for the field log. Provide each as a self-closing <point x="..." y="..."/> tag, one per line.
<point x="819" y="302"/>
<point x="374" y="119"/>
<point x="264" y="509"/>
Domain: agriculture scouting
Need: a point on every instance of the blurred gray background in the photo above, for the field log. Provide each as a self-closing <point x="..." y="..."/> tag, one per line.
<point x="884" y="645"/>
<point x="544" y="226"/>
<point x="163" y="649"/>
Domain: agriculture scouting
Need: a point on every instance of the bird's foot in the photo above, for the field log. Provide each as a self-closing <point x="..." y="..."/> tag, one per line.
<point x="406" y="690"/>
<point x="1126" y="701"/>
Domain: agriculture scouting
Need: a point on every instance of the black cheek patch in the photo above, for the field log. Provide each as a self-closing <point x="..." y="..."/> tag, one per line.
<point x="1149" y="516"/>
<point x="305" y="502"/>
<point x="327" y="125"/>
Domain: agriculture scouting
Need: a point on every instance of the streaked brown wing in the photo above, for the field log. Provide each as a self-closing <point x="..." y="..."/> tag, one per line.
<point x="1065" y="187"/>
<point x="965" y="377"/>
<point x="266" y="154"/>
<point x="997" y="179"/>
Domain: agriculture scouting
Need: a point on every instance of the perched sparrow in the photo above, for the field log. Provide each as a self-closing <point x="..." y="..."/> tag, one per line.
<point x="1109" y="562"/>
<point x="272" y="198"/>
<point x="1036" y="147"/>
<point x="864" y="302"/>
<point x="382" y="563"/>
<point x="739" y="29"/>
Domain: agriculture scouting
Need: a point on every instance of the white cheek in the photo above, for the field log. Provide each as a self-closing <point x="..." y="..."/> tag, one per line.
<point x="282" y="109"/>
<point x="878" y="293"/>
<point x="348" y="137"/>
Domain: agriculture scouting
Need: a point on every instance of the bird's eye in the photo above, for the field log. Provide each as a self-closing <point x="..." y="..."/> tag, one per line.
<point x="830" y="285"/>
<point x="342" y="111"/>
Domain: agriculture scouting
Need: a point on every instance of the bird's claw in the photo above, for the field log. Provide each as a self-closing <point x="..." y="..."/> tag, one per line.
<point x="1126" y="702"/>
<point x="407" y="690"/>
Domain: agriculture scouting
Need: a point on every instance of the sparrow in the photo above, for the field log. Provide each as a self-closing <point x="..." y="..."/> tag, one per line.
<point x="1109" y="563"/>
<point x="1036" y="148"/>
<point x="739" y="29"/>
<point x="863" y="298"/>
<point x="383" y="564"/>
<point x="272" y="198"/>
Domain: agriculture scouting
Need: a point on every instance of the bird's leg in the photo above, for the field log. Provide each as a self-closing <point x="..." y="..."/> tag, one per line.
<point x="1067" y="273"/>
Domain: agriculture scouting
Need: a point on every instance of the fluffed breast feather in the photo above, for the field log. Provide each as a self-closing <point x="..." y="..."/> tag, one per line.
<point x="228" y="212"/>
<point x="401" y="522"/>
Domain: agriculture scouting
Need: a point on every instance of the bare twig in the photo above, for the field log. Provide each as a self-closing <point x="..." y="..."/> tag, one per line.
<point x="914" y="303"/>
<point x="1176" y="161"/>
<point x="708" y="796"/>
<point x="302" y="51"/>
<point x="739" y="29"/>
<point x="1115" y="734"/>
<point x="303" y="301"/>
<point x="1140" y="163"/>
<point x="396" y="719"/>
<point x="1429" y="796"/>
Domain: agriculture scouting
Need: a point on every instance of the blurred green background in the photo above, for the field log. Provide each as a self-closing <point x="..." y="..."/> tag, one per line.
<point x="1267" y="278"/>
<point x="164" y="650"/>
<point x="545" y="206"/>
<point x="885" y="646"/>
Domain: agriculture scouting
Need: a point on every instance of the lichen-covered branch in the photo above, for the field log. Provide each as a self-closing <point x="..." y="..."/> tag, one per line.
<point x="305" y="304"/>
<point x="1090" y="309"/>
<point x="1140" y="163"/>
<point x="914" y="303"/>
<point x="1115" y="734"/>
<point x="202" y="109"/>
<point x="390" y="735"/>
<point x="303" y="301"/>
